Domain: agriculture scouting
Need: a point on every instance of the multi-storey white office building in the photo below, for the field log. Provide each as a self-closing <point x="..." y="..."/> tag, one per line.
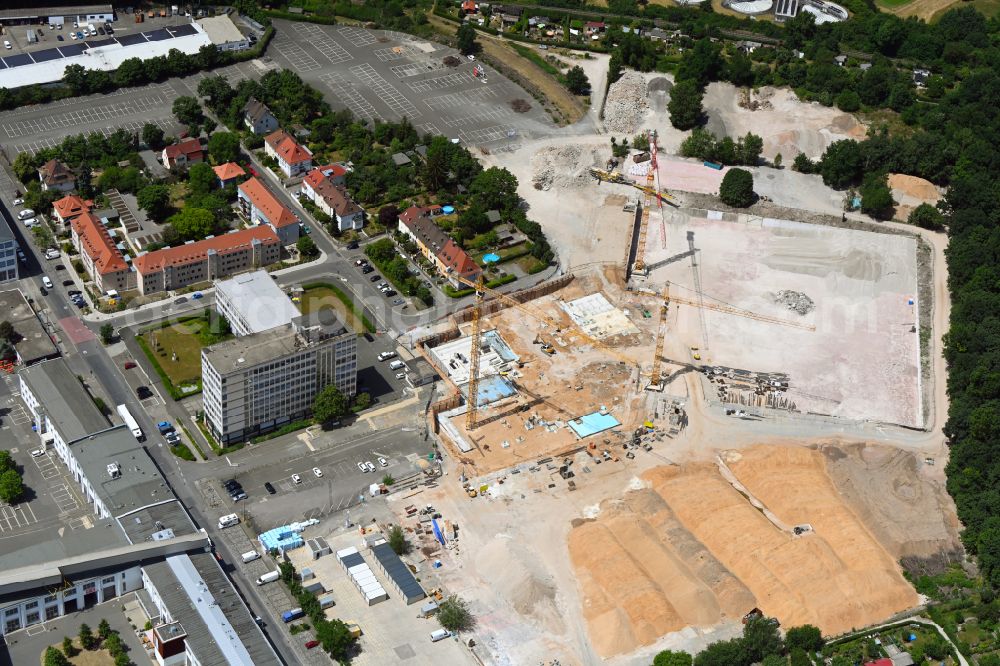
<point x="259" y="382"/>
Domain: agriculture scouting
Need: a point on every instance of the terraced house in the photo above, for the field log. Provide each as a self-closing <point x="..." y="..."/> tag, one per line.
<point x="259" y="206"/>
<point x="100" y="255"/>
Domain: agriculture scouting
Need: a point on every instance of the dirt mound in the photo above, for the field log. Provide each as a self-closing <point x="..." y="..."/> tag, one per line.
<point x="626" y="104"/>
<point x="520" y="105"/>
<point x="916" y="188"/>
<point x="530" y="591"/>
<point x="795" y="301"/>
<point x="690" y="550"/>
<point x="563" y="166"/>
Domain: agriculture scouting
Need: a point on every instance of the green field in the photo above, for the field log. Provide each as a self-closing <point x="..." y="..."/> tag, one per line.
<point x="321" y="295"/>
<point x="988" y="8"/>
<point x="891" y="4"/>
<point x="175" y="351"/>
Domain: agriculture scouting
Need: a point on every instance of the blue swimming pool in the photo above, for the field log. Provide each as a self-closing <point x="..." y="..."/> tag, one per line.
<point x="591" y="424"/>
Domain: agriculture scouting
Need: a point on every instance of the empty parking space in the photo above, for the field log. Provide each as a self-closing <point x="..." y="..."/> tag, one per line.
<point x="16" y="517"/>
<point x="350" y="97"/>
<point x="486" y="134"/>
<point x="459" y="100"/>
<point x="395" y="53"/>
<point x="64" y="497"/>
<point x="480" y="116"/>
<point x="440" y="82"/>
<point x="357" y="36"/>
<point x="17" y="414"/>
<point x="324" y="43"/>
<point x="167" y="124"/>
<point x="387" y="92"/>
<point x="83" y="116"/>
<point x="298" y="58"/>
<point x="407" y="70"/>
<point x="46" y="466"/>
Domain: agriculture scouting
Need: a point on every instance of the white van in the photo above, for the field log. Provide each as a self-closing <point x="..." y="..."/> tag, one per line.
<point x="269" y="577"/>
<point x="250" y="556"/>
<point x="228" y="521"/>
<point x="386" y="355"/>
<point x="25" y="214"/>
<point x="439" y="635"/>
<point x="396" y="365"/>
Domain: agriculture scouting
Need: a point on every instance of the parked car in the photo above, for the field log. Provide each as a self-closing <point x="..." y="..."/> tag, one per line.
<point x="60" y="267"/>
<point x="383" y="462"/>
<point x="296" y="478"/>
<point x="74" y="292"/>
<point x="7" y="45"/>
<point x="38" y="453"/>
<point x="67" y="283"/>
<point x="367" y="269"/>
<point x="129" y="365"/>
<point x="389" y="293"/>
<point x="269" y="488"/>
<point x="311" y="644"/>
<point x="229" y="484"/>
<point x="196" y="295"/>
<point x="400" y="375"/>
<point x="25" y="214"/>
<point x="17" y="202"/>
<point x="353" y="245"/>
<point x="370" y="466"/>
<point x="383" y="286"/>
<point x="375" y="278"/>
<point x="398" y="301"/>
<point x="360" y="262"/>
<point x="318" y="472"/>
<point x="362" y="467"/>
<point x="46" y="281"/>
<point x="238" y="497"/>
<point x="182" y="299"/>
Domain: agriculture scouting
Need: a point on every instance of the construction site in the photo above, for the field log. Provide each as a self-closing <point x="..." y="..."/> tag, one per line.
<point x="708" y="413"/>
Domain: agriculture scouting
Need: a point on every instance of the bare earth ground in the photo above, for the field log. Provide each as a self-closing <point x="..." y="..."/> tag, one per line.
<point x="909" y="192"/>
<point x="665" y="552"/>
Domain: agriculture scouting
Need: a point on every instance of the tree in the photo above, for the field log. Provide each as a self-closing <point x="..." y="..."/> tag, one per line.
<point x="803" y="164"/>
<point x="454" y="614"/>
<point x="848" y="101"/>
<point x="188" y="111"/>
<point x="761" y="638"/>
<point x="876" y="197"/>
<point x="217" y="90"/>
<point x="685" y="105"/>
<point x="777" y="161"/>
<point x="388" y="216"/>
<point x="577" y="81"/>
<point x="807" y="637"/>
<point x="155" y="200"/>
<point x="87" y="639"/>
<point x="7" y="331"/>
<point x="749" y="149"/>
<point x="307" y="247"/>
<point x="53" y="657"/>
<point x="774" y="660"/>
<point x="224" y="147"/>
<point x="798" y="657"/>
<point x="841" y="163"/>
<point x="11" y="487"/>
<point x="107" y="333"/>
<point x="701" y="64"/>
<point x="435" y="174"/>
<point x="6" y="462"/>
<point x="330" y="405"/>
<point x="336" y="639"/>
<point x="466" y="37"/>
<point x="68" y="648"/>
<point x="397" y="540"/>
<point x="201" y="178"/>
<point x="737" y="188"/>
<point x="722" y="653"/>
<point x="75" y="78"/>
<point x="104" y="629"/>
<point x="131" y="72"/>
<point x="362" y="401"/>
<point x="495" y="188"/>
<point x="924" y="216"/>
<point x="671" y="658"/>
<point x="193" y="223"/>
<point x="152" y="136"/>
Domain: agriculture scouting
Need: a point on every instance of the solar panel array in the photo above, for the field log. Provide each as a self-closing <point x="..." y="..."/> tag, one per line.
<point x="75" y="49"/>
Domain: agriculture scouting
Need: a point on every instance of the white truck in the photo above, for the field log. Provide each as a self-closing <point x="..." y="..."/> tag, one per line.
<point x="269" y="577"/>
<point x="132" y="424"/>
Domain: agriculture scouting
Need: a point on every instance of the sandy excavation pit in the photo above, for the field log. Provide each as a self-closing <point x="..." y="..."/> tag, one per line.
<point x="861" y="362"/>
<point x="689" y="549"/>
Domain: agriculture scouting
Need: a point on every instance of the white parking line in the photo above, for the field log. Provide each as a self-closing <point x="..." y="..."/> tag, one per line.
<point x="358" y="105"/>
<point x="323" y="42"/>
<point x="441" y="82"/>
<point x="358" y="36"/>
<point x="395" y="53"/>
<point x="407" y="70"/>
<point x="298" y="57"/>
<point x="387" y="92"/>
<point x="484" y="134"/>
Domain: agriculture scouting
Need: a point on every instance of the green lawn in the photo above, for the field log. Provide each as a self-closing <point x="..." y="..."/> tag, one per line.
<point x="892" y="3"/>
<point x="988" y="8"/>
<point x="505" y="254"/>
<point x="175" y="350"/>
<point x="531" y="265"/>
<point x="320" y="295"/>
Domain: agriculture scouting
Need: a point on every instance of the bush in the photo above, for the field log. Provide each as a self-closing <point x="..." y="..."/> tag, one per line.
<point x="454" y="615"/>
<point x="737" y="188"/>
<point x="397" y="540"/>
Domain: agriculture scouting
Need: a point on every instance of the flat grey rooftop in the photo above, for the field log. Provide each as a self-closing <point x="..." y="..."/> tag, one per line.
<point x="251" y="350"/>
<point x="257" y="302"/>
<point x="35" y="344"/>
<point x="64" y="399"/>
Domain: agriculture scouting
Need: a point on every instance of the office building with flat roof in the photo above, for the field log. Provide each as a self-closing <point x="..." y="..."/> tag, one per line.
<point x="257" y="383"/>
<point x="253" y="303"/>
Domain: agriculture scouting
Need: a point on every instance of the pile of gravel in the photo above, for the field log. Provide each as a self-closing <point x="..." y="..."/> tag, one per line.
<point x="626" y="104"/>
<point x="795" y="301"/>
<point x="563" y="166"/>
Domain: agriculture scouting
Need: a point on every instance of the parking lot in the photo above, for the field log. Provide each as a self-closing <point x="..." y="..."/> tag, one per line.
<point x="49" y="37"/>
<point x="385" y="75"/>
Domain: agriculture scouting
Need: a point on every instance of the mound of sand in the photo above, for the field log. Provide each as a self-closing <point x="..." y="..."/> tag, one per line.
<point x="530" y="590"/>
<point x="690" y="550"/>
<point x="564" y="166"/>
<point x="909" y="192"/>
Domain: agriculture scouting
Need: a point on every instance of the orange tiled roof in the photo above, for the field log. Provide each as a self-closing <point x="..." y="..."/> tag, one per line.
<point x="287" y="148"/>
<point x="229" y="170"/>
<point x="192" y="252"/>
<point x="71" y="205"/>
<point x="188" y="147"/>
<point x="262" y="198"/>
<point x="455" y="258"/>
<point x="98" y="244"/>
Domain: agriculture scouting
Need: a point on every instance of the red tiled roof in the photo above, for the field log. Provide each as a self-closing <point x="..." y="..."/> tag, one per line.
<point x="187" y="147"/>
<point x="97" y="243"/>
<point x="229" y="170"/>
<point x="455" y="258"/>
<point x="287" y="148"/>
<point x="469" y="6"/>
<point x="879" y="662"/>
<point x="54" y="171"/>
<point x="192" y="252"/>
<point x="321" y="173"/>
<point x="336" y="198"/>
<point x="71" y="205"/>
<point x="262" y="198"/>
<point x="594" y="24"/>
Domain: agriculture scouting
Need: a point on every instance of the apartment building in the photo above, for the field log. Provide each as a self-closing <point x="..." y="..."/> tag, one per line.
<point x="260" y="206"/>
<point x="209" y="259"/>
<point x="293" y="158"/>
<point x="100" y="255"/>
<point x="56" y="176"/>
<point x="257" y="383"/>
<point x="324" y="186"/>
<point x="70" y="207"/>
<point x="447" y="256"/>
<point x="258" y="118"/>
